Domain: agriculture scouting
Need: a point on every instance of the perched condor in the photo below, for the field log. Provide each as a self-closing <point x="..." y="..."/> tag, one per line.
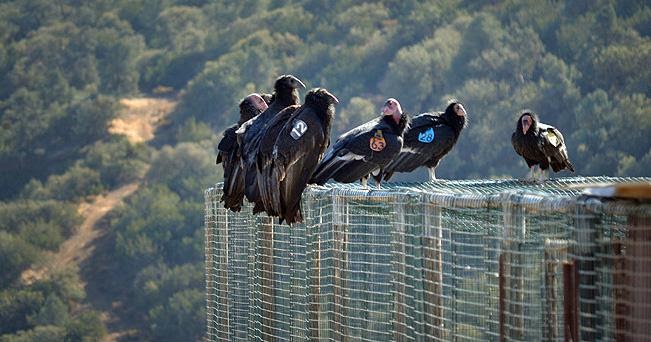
<point x="228" y="150"/>
<point x="264" y="156"/>
<point x="250" y="133"/>
<point x="540" y="144"/>
<point x="365" y="149"/>
<point x="428" y="139"/>
<point x="296" y="153"/>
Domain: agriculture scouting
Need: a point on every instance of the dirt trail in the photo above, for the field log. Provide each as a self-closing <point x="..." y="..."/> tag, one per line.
<point x="140" y="117"/>
<point x="138" y="120"/>
<point x="79" y="246"/>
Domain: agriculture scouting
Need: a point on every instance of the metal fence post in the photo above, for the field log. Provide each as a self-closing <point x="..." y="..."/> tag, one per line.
<point x="432" y="264"/>
<point x="340" y="263"/>
<point x="555" y="255"/>
<point x="314" y="275"/>
<point x="211" y="225"/>
<point x="511" y="283"/>
<point x="586" y="261"/>
<point x="265" y="266"/>
<point x="638" y="267"/>
<point x="398" y="264"/>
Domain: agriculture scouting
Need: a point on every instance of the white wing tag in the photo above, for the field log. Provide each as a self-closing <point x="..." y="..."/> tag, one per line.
<point x="298" y="129"/>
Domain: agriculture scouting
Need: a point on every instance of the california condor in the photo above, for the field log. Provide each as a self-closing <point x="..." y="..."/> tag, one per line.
<point x="228" y="152"/>
<point x="429" y="137"/>
<point x="540" y="145"/>
<point x="250" y="133"/>
<point x="365" y="149"/>
<point x="264" y="156"/>
<point x="296" y="153"/>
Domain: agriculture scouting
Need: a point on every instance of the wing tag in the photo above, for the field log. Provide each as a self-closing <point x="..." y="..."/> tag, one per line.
<point x="426" y="136"/>
<point x="298" y="129"/>
<point x="377" y="142"/>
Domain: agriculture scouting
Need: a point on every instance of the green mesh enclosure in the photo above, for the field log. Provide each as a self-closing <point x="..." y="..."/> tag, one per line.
<point x="445" y="261"/>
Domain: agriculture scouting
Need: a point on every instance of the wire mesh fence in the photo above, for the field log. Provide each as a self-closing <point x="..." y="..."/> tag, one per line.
<point x="444" y="261"/>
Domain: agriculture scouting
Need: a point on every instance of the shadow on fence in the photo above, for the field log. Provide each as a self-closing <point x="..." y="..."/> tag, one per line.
<point x="451" y="260"/>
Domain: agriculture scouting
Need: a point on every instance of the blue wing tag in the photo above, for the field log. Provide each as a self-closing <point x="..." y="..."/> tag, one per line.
<point x="298" y="129"/>
<point x="426" y="136"/>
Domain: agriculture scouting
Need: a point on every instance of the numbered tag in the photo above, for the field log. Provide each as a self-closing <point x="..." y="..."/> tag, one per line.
<point x="426" y="136"/>
<point x="298" y="129"/>
<point x="377" y="142"/>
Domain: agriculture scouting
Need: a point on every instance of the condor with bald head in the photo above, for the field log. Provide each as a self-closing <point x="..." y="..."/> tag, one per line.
<point x="366" y="149"/>
<point x="540" y="145"/>
<point x="228" y="151"/>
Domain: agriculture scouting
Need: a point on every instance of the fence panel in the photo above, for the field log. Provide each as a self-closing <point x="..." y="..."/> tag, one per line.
<point x="443" y="261"/>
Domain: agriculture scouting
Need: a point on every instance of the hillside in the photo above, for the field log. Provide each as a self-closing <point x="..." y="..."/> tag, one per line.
<point x="89" y="182"/>
<point x="137" y="119"/>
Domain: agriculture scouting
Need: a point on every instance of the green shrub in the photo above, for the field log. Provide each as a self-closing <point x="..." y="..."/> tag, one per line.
<point x="43" y="223"/>
<point x="15" y="308"/>
<point x="15" y="256"/>
<point x="117" y="160"/>
<point x="43" y="333"/>
<point x="76" y="183"/>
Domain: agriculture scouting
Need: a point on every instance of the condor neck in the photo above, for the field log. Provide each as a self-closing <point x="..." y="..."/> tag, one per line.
<point x="391" y="121"/>
<point x="455" y="121"/>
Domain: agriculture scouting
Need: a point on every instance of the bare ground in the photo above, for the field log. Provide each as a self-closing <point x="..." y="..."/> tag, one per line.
<point x="140" y="117"/>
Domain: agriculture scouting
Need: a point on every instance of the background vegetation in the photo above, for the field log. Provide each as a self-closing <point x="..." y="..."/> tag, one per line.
<point x="64" y="64"/>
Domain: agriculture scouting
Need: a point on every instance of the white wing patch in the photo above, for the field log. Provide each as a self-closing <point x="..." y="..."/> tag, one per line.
<point x="406" y="149"/>
<point x="298" y="129"/>
<point x="350" y="156"/>
<point x="544" y="126"/>
<point x="552" y="138"/>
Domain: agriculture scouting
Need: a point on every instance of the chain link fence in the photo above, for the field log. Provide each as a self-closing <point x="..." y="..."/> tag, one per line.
<point x="444" y="261"/>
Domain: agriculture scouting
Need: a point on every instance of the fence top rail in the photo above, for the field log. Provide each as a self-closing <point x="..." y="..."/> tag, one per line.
<point x="559" y="195"/>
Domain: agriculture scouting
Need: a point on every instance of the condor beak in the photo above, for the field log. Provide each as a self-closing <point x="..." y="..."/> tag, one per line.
<point x="385" y="110"/>
<point x="335" y="99"/>
<point x="462" y="111"/>
<point x="300" y="84"/>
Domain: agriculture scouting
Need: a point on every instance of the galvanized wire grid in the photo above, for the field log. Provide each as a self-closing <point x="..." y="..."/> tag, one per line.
<point x="451" y="260"/>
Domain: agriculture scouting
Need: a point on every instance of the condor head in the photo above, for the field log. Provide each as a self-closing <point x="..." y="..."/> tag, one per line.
<point x="392" y="107"/>
<point x="321" y="96"/>
<point x="527" y="122"/>
<point x="288" y="82"/>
